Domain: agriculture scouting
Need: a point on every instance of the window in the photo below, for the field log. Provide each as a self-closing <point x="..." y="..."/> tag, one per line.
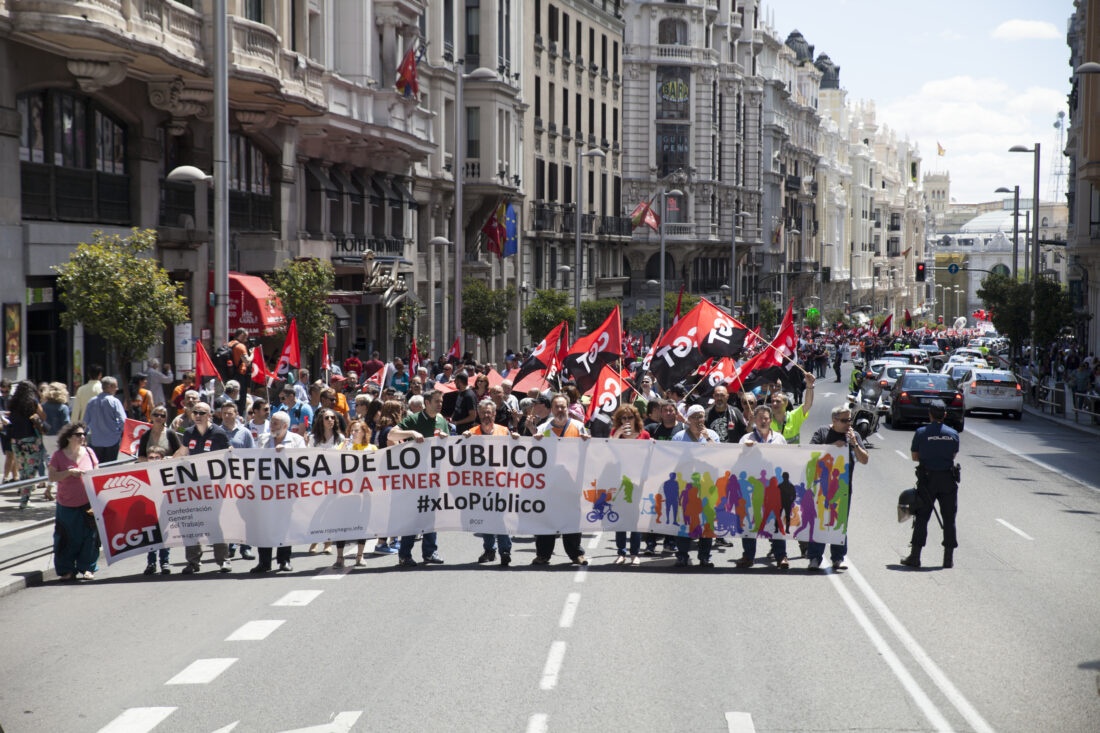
<point x="673" y="93"/>
<point x="577" y="110"/>
<point x="591" y="46"/>
<point x="567" y="183"/>
<point x="672" y="148"/>
<point x="473" y="34"/>
<point x="473" y="132"/>
<point x="565" y="107"/>
<point x="538" y="17"/>
<point x="538" y="96"/>
<point x="540" y="179"/>
<point x="676" y="213"/>
<point x="672" y="32"/>
<point x="579" y="39"/>
<point x="504" y="35"/>
<point x="251" y="206"/>
<point x="553" y="24"/>
<point x="449" y="28"/>
<point x="565" y="50"/>
<point x="254" y="10"/>
<point x="73" y="159"/>
<point x="615" y="57"/>
<point x="614" y="125"/>
<point x="603" y="52"/>
<point x="552" y="184"/>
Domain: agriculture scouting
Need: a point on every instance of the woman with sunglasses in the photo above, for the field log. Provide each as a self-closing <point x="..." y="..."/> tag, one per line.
<point x="158" y="434"/>
<point x="75" y="539"/>
<point x="627" y="425"/>
<point x="358" y="439"/>
<point x="326" y="435"/>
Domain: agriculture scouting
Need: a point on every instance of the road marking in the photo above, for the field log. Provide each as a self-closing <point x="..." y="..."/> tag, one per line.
<point x="1017" y="530"/>
<point x="740" y="723"/>
<point x="931" y="712"/>
<point x="342" y="723"/>
<point x="332" y="573"/>
<point x="594" y="543"/>
<point x="569" y="611"/>
<point x="537" y="723"/>
<point x="904" y="457"/>
<point x="1042" y="464"/>
<point x="580" y="575"/>
<point x="137" y="720"/>
<point x="298" y="598"/>
<point x="255" y="630"/>
<point x="229" y="728"/>
<point x="972" y="716"/>
<point x="202" y="671"/>
<point x="553" y="666"/>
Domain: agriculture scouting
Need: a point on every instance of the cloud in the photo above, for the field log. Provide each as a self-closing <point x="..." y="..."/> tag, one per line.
<point x="1037" y="101"/>
<point x="949" y="34"/>
<point x="1025" y="30"/>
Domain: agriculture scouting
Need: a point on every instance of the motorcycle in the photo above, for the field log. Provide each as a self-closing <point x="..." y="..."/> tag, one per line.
<point x="865" y="419"/>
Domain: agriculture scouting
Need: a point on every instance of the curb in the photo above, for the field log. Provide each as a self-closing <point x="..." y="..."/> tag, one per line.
<point x="15" y="583"/>
<point x="1086" y="429"/>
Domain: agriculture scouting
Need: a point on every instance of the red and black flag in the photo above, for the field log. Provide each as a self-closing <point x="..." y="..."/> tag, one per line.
<point x="590" y="353"/>
<point x="610" y="388"/>
<point x="886" y="329"/>
<point x="544" y="355"/>
<point x="643" y="366"/>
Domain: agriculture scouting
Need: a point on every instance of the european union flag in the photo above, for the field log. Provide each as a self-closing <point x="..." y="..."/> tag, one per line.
<point x="511" y="232"/>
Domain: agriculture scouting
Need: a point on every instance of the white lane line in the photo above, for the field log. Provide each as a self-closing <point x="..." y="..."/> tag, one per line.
<point x="202" y="671"/>
<point x="229" y="728"/>
<point x="740" y="723"/>
<point x="580" y="575"/>
<point x="569" y="611"/>
<point x="137" y="720"/>
<point x="332" y="573"/>
<point x="255" y="630"/>
<point x="594" y="543"/>
<point x="972" y="716"/>
<point x="341" y="723"/>
<point x="1042" y="464"/>
<point x="1017" y="530"/>
<point x="537" y="723"/>
<point x="904" y="457"/>
<point x="553" y="666"/>
<point x="931" y="712"/>
<point x="298" y="598"/>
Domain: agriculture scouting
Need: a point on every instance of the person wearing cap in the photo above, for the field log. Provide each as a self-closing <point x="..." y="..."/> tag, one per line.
<point x="762" y="433"/>
<point x="839" y="433"/>
<point x="696" y="431"/>
<point x="934" y="449"/>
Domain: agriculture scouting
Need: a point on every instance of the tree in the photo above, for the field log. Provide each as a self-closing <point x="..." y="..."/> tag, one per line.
<point x="547" y="309"/>
<point x="302" y="287"/>
<point x="646" y="322"/>
<point x="1008" y="302"/>
<point x="768" y="316"/>
<point x="484" y="311"/>
<point x="689" y="301"/>
<point x="812" y="320"/>
<point x="113" y="290"/>
<point x="595" y="312"/>
<point x="1053" y="311"/>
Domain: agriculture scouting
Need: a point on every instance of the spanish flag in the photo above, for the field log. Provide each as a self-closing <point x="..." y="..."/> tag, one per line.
<point x="940" y="151"/>
<point x="406" y="73"/>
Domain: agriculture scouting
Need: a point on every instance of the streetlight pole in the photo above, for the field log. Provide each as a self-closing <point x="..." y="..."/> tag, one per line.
<point x="664" y="216"/>
<point x="221" y="177"/>
<point x="578" y="270"/>
<point x="1035" y="218"/>
<point x="1015" y="225"/>
<point x="786" y="262"/>
<point x="733" y="257"/>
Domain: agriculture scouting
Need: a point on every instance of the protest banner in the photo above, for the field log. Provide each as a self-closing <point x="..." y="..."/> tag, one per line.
<point x="519" y="486"/>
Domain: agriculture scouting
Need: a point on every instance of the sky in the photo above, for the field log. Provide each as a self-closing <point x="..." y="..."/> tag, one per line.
<point x="976" y="76"/>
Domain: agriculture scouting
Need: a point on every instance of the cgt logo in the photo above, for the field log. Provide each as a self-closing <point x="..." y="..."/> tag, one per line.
<point x="129" y="518"/>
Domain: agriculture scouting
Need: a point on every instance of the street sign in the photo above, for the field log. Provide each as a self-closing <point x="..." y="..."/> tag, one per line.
<point x="953" y="268"/>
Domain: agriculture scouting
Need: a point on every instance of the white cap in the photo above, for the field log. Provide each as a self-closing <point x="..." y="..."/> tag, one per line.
<point x="696" y="410"/>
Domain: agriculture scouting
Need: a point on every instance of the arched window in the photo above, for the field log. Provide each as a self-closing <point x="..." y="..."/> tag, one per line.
<point x="653" y="267"/>
<point x="672" y="32"/>
<point x="72" y="158"/>
<point x="1044" y="222"/>
<point x="1001" y="269"/>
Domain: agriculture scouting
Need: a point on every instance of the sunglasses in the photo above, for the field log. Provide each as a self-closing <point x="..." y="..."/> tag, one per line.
<point x="199" y="413"/>
<point x="843" y="419"/>
<point x="79" y="435"/>
<point x="161" y="415"/>
<point x="329" y="417"/>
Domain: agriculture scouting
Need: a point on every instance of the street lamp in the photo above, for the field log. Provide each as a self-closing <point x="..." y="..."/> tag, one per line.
<point x="478" y="74"/>
<point x="1034" y="206"/>
<point x="786" y="254"/>
<point x="579" y="208"/>
<point x="664" y="216"/>
<point x="733" y="257"/>
<point x="1015" y="191"/>
<point x="958" y="307"/>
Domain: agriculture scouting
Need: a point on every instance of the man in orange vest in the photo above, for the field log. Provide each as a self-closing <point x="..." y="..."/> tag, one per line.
<point x="560" y="425"/>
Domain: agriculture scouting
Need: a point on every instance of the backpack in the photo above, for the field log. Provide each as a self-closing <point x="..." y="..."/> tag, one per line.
<point x="245" y="367"/>
<point x="223" y="360"/>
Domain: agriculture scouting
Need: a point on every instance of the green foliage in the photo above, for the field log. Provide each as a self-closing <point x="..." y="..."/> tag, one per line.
<point x="484" y="311"/>
<point x="406" y="319"/>
<point x="114" y="291"/>
<point x="1053" y="311"/>
<point x="1009" y="303"/>
<point x="689" y="301"/>
<point x="595" y="312"/>
<point x="813" y="320"/>
<point x="835" y="316"/>
<point x="301" y="287"/>
<point x="644" y="322"/>
<point x="547" y="309"/>
<point x="769" y="316"/>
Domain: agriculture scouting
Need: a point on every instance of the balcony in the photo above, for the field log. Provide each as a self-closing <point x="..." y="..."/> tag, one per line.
<point x="545" y="217"/>
<point x="538" y="124"/>
<point x="538" y="43"/>
<point x="674" y="52"/>
<point x="553" y="128"/>
<point x="566" y="133"/>
<point x="580" y="63"/>
<point x="615" y="226"/>
<point x="553" y="49"/>
<point x="792" y="183"/>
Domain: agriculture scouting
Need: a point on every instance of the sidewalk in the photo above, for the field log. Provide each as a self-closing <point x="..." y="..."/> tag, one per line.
<point x="25" y="539"/>
<point x="1083" y="424"/>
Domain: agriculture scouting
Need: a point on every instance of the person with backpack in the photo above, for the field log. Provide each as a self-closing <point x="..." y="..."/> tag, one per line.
<point x="232" y="360"/>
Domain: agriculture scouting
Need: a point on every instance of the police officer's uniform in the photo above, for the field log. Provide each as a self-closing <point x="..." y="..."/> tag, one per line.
<point x="937" y="480"/>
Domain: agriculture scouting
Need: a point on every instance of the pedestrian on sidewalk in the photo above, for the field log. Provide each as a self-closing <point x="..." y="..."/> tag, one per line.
<point x="105" y="418"/>
<point x="27" y="421"/>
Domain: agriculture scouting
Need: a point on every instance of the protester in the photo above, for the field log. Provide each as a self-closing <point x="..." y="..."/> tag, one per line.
<point x="87" y="391"/>
<point x="487" y="426"/>
<point x="204" y="437"/>
<point x="841" y="434"/>
<point x="26" y="419"/>
<point x="159" y="435"/>
<point x="762" y="433"/>
<point x="75" y="540"/>
<point x="156" y="453"/>
<point x="696" y="431"/>
<point x="627" y="425"/>
<point x="416" y="427"/>
<point x="560" y="425"/>
<point x="157" y="378"/>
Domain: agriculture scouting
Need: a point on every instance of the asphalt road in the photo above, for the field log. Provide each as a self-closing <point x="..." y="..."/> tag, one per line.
<point x="1008" y="640"/>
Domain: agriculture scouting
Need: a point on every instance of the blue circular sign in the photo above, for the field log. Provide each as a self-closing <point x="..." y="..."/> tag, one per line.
<point x="953" y="268"/>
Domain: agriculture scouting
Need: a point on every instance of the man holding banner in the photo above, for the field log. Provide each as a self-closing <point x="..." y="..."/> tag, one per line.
<point x="762" y="433"/>
<point x="204" y="437"/>
<point x="841" y="434"/>
<point x="561" y="426"/>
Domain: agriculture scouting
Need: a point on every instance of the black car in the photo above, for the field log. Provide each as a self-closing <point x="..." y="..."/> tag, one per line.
<point x="913" y="391"/>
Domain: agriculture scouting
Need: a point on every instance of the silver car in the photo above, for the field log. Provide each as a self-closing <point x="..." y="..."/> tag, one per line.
<point x="993" y="390"/>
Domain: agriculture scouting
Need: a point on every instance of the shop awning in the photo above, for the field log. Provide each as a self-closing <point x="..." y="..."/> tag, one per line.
<point x="252" y="305"/>
<point x="386" y="190"/>
<point x="366" y="185"/>
<point x="342" y="180"/>
<point x="320" y="181"/>
<point x="402" y="189"/>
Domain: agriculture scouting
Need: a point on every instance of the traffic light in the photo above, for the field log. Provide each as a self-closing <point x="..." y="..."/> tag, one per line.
<point x="920" y="272"/>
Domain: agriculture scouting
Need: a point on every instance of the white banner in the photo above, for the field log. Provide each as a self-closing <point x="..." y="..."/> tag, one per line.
<point x="493" y="485"/>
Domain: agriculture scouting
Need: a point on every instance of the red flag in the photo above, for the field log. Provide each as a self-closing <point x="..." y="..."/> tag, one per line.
<point x="628" y="349"/>
<point x="885" y="329"/>
<point x="326" y="365"/>
<point x="908" y="319"/>
<point x="647" y="360"/>
<point x="204" y="365"/>
<point x="414" y="361"/>
<point x="563" y="349"/>
<point x="679" y="301"/>
<point x="132" y="430"/>
<point x="495" y="232"/>
<point x="782" y="348"/>
<point x="291" y="356"/>
<point x="406" y="74"/>
<point x="543" y="356"/>
<point x="455" y="353"/>
<point x="589" y="354"/>
<point x="752" y="337"/>
<point x="260" y="375"/>
<point x="376" y="378"/>
<point x="608" y="396"/>
<point x="737" y="378"/>
<point x="644" y="214"/>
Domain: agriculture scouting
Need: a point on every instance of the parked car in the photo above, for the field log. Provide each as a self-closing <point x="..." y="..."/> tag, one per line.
<point x="912" y="393"/>
<point x="890" y="374"/>
<point x="993" y="390"/>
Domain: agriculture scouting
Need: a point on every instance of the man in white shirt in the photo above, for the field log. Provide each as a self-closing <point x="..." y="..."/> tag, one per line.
<point x="156" y="379"/>
<point x="762" y="433"/>
<point x="87" y="391"/>
<point x="279" y="439"/>
<point x="257" y="423"/>
<point x="696" y="431"/>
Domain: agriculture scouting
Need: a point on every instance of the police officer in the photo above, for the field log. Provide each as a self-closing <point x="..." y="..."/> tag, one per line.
<point x="934" y="448"/>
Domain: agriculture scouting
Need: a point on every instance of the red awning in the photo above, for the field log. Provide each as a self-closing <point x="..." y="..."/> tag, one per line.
<point x="252" y="305"/>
